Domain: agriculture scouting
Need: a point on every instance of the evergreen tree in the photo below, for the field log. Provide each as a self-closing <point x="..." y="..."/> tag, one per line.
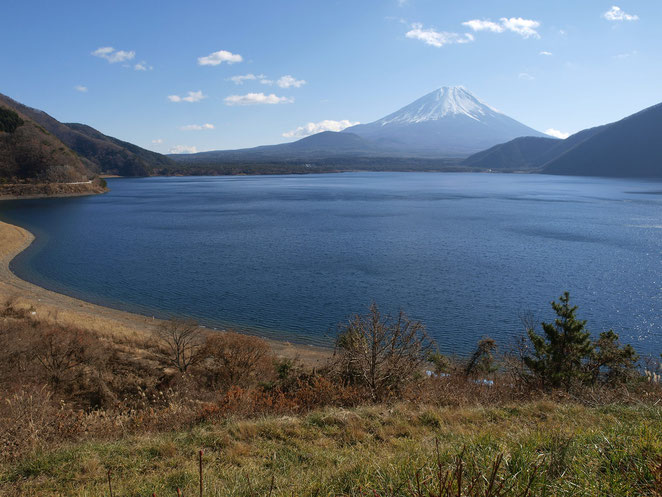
<point x="610" y="363"/>
<point x="560" y="356"/>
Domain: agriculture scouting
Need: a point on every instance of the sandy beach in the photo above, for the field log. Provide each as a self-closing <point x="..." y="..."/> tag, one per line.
<point x="103" y="320"/>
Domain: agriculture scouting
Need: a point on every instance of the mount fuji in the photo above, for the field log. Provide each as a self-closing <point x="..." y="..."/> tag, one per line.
<point x="449" y="121"/>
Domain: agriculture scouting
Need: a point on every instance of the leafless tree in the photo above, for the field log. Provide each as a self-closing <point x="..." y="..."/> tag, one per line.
<point x="182" y="339"/>
<point x="382" y="353"/>
<point x="60" y="350"/>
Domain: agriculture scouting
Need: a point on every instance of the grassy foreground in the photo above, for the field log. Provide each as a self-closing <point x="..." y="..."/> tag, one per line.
<point x="615" y="450"/>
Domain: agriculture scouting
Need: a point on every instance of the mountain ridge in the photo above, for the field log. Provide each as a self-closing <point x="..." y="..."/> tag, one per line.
<point x="100" y="153"/>
<point x="446" y="123"/>
<point x="629" y="147"/>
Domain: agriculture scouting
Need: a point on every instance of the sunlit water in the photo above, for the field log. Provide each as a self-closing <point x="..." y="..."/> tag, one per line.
<point x="291" y="256"/>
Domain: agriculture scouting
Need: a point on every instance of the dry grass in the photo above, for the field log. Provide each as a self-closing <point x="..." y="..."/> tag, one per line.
<point x="578" y="450"/>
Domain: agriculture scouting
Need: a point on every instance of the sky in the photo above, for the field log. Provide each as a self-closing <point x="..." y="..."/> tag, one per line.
<point x="208" y="75"/>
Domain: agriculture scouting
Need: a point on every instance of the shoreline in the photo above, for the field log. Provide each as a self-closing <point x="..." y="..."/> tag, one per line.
<point x="60" y="308"/>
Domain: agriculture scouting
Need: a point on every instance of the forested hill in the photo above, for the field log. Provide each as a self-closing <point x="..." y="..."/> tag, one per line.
<point x="101" y="154"/>
<point x="30" y="154"/>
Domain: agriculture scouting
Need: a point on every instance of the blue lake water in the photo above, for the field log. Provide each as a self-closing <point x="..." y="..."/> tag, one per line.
<point x="291" y="256"/>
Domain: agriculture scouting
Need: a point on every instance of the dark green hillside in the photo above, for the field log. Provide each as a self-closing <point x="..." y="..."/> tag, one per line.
<point x="528" y="152"/>
<point x="520" y="153"/>
<point x="631" y="147"/>
<point x="101" y="153"/>
<point x="9" y="120"/>
<point x="30" y="154"/>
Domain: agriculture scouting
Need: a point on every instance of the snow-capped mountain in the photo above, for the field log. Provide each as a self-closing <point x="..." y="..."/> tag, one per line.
<point x="446" y="123"/>
<point x="449" y="121"/>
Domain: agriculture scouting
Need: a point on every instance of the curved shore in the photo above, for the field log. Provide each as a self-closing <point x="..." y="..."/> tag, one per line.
<point x="67" y="310"/>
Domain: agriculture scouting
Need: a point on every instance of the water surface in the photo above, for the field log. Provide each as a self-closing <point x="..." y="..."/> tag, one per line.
<point x="291" y="256"/>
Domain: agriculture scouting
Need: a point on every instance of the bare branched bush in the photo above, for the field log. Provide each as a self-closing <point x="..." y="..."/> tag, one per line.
<point x="232" y="359"/>
<point x="381" y="353"/>
<point x="182" y="339"/>
<point x="61" y="351"/>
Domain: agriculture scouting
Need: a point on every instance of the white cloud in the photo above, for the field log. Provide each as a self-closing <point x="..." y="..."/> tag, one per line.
<point x="289" y="81"/>
<point x="183" y="149"/>
<point x="526" y="76"/>
<point x="239" y="79"/>
<point x="617" y="14"/>
<point x="157" y="141"/>
<point x="478" y="25"/>
<point x="193" y="96"/>
<point x="142" y="66"/>
<point x="312" y="128"/>
<point x="545" y="53"/>
<point x="112" y="55"/>
<point x="80" y="88"/>
<point x="556" y="133"/>
<point x="523" y="27"/>
<point x="437" y="38"/>
<point x="197" y="127"/>
<point x="216" y="58"/>
<point x="257" y="98"/>
<point x="625" y="55"/>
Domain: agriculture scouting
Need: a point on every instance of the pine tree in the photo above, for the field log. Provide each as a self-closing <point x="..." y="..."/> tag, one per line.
<point x="560" y="356"/>
<point x="611" y="363"/>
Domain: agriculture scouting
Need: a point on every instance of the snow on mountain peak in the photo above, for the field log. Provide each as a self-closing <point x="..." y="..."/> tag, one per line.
<point x="446" y="101"/>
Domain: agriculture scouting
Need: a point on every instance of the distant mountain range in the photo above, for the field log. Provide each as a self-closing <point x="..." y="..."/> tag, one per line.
<point x="101" y="154"/>
<point x="631" y="147"/>
<point x="435" y="133"/>
<point x="448" y="122"/>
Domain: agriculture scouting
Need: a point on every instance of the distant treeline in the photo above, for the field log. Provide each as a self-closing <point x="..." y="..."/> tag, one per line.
<point x="332" y="165"/>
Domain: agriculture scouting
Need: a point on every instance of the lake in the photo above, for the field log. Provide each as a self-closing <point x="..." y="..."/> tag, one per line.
<point x="292" y="256"/>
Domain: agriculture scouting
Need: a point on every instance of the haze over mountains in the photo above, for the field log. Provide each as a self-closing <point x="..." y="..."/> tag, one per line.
<point x="447" y="122"/>
<point x="434" y="133"/>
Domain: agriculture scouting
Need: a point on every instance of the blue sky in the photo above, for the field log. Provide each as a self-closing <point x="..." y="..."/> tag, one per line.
<point x="120" y="66"/>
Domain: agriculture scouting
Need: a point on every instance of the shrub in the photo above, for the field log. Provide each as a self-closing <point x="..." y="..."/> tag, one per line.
<point x="482" y="360"/>
<point x="61" y="351"/>
<point x="381" y="353"/>
<point x="9" y="120"/>
<point x="230" y="358"/>
<point x="442" y="364"/>
<point x="610" y="363"/>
